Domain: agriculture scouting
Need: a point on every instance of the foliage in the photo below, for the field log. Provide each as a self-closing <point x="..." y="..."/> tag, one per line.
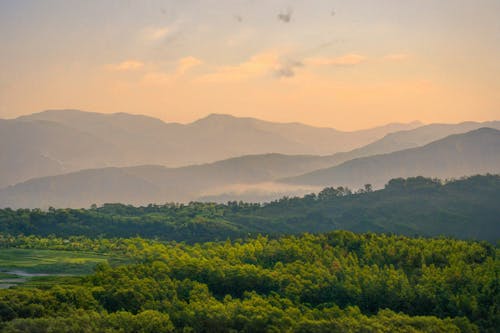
<point x="337" y="281"/>
<point x="466" y="208"/>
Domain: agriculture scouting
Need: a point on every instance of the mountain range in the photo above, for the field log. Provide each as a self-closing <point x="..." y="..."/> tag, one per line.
<point x="457" y="155"/>
<point x="62" y="141"/>
<point x="75" y="158"/>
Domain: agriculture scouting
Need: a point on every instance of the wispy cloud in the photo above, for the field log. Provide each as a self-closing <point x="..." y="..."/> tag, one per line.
<point x="127" y="65"/>
<point x="345" y="60"/>
<point x="258" y="65"/>
<point x="182" y="67"/>
<point x="156" y="33"/>
<point x="186" y="63"/>
<point x="396" y="56"/>
<point x="271" y="64"/>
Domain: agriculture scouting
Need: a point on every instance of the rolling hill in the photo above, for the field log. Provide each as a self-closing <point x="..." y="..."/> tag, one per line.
<point x="214" y="137"/>
<point x="253" y="177"/>
<point x="458" y="155"/>
<point x="152" y="183"/>
<point x="465" y="208"/>
<point x="30" y="149"/>
<point x="62" y="141"/>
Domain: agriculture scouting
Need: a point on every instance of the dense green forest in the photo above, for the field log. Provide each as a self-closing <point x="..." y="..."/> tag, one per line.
<point x="338" y="281"/>
<point x="466" y="208"/>
<point x="248" y="276"/>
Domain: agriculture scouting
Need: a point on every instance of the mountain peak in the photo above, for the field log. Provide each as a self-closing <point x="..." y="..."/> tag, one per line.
<point x="218" y="117"/>
<point x="74" y="116"/>
<point x="58" y="112"/>
<point x="485" y="130"/>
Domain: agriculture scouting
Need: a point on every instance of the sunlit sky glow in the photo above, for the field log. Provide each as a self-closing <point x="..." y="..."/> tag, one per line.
<point x="345" y="64"/>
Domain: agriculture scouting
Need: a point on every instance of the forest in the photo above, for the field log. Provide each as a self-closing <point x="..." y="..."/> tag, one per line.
<point x="412" y="257"/>
<point x="331" y="282"/>
<point x="414" y="207"/>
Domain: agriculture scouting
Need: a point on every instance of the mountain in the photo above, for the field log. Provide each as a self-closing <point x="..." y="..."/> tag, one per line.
<point x="457" y="155"/>
<point x="392" y="142"/>
<point x="61" y="141"/>
<point x="55" y="142"/>
<point x="31" y="149"/>
<point x="416" y="137"/>
<point x="252" y="177"/>
<point x="214" y="137"/>
<point x="411" y="138"/>
<point x="152" y="183"/>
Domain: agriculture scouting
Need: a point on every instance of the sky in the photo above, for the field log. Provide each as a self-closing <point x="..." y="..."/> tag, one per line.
<point x="343" y="64"/>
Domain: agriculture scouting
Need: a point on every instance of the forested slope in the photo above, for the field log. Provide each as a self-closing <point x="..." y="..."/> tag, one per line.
<point x="335" y="282"/>
<point x="466" y="208"/>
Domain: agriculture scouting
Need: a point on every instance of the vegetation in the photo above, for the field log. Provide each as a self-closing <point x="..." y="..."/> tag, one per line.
<point x="42" y="265"/>
<point x="465" y="208"/>
<point x="33" y="261"/>
<point x="337" y="281"/>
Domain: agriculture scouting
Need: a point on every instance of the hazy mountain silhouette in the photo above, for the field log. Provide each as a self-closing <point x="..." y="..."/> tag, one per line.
<point x="416" y="137"/>
<point x="457" y="155"/>
<point x="150" y="183"/>
<point x="214" y="137"/>
<point x="58" y="141"/>
<point x="406" y="139"/>
<point x="31" y="149"/>
<point x="251" y="177"/>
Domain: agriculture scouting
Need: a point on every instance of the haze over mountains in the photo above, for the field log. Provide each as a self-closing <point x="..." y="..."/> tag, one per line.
<point x="74" y="158"/>
<point x="136" y="185"/>
<point x="62" y="141"/>
<point x="457" y="155"/>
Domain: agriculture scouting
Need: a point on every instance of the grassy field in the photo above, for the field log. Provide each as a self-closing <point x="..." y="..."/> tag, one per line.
<point x="46" y="267"/>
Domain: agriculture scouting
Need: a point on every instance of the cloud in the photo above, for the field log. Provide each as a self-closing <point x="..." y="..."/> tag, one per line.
<point x="182" y="67"/>
<point x="264" y="64"/>
<point x="258" y="65"/>
<point x="185" y="64"/>
<point x="345" y="60"/>
<point x="157" y="78"/>
<point x="127" y="65"/>
<point x="396" y="56"/>
<point x="285" y="17"/>
<point x="156" y="33"/>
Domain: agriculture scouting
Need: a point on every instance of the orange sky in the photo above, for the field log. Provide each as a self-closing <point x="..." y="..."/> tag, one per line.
<point x="350" y="66"/>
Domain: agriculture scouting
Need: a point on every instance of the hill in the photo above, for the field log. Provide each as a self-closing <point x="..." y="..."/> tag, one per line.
<point x="252" y="178"/>
<point x="61" y="141"/>
<point x="141" y="185"/>
<point x="458" y="155"/>
<point x="224" y="135"/>
<point x="30" y="149"/>
<point x="412" y="138"/>
<point x="466" y="208"/>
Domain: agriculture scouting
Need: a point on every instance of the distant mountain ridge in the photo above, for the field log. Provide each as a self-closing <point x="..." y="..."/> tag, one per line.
<point x="153" y="183"/>
<point x="457" y="155"/>
<point x="475" y="152"/>
<point x="61" y="141"/>
<point x="236" y="136"/>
